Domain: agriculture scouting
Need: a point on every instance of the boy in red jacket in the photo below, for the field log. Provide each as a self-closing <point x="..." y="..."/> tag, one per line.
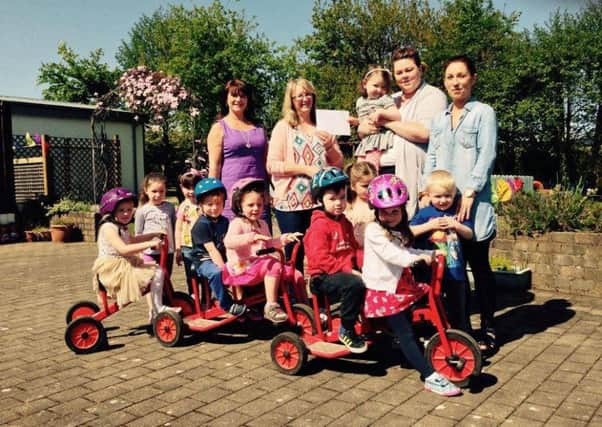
<point x="333" y="254"/>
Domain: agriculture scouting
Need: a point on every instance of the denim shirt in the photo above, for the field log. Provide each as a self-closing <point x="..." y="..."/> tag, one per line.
<point x="468" y="153"/>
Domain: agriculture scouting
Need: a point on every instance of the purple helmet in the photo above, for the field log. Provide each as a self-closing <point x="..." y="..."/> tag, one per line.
<point x="113" y="197"/>
<point x="387" y="191"/>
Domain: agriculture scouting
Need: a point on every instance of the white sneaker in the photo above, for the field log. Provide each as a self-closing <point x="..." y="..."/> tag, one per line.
<point x="438" y="384"/>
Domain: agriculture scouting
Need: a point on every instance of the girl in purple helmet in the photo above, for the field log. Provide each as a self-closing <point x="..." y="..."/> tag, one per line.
<point x="390" y="285"/>
<point x="119" y="266"/>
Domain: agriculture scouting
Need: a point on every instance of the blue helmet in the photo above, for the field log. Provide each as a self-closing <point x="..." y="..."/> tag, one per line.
<point x="326" y="178"/>
<point x="208" y="185"/>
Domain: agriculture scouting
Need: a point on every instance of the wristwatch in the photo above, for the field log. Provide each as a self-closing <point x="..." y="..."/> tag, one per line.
<point x="469" y="194"/>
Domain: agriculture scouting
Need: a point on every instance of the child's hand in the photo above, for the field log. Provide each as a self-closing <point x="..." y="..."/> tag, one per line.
<point x="290" y="237"/>
<point x="262" y="237"/>
<point x="353" y="121"/>
<point x="155" y="243"/>
<point x="439" y="252"/>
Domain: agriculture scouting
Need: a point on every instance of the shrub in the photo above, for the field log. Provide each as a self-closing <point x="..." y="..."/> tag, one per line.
<point x="561" y="209"/>
<point x="66" y="206"/>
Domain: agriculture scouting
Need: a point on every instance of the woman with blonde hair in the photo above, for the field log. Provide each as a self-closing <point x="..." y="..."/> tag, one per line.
<point x="296" y="152"/>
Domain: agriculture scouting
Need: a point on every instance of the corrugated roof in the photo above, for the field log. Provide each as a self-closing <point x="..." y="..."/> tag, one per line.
<point x="35" y="101"/>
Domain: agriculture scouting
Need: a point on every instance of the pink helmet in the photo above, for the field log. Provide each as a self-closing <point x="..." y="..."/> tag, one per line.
<point x="387" y="191"/>
<point x="239" y="187"/>
<point x="113" y="197"/>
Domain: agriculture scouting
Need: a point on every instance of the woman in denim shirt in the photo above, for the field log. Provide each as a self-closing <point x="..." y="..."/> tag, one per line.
<point x="463" y="141"/>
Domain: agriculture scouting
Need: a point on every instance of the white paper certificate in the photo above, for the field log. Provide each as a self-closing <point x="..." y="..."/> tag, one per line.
<point x="333" y="121"/>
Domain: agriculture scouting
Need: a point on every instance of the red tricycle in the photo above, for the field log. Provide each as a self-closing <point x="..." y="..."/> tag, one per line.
<point x="200" y="313"/>
<point x="85" y="332"/>
<point x="452" y="353"/>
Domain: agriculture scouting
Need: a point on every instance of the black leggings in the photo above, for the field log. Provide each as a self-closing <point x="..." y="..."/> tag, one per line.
<point x="402" y="328"/>
<point x="477" y="256"/>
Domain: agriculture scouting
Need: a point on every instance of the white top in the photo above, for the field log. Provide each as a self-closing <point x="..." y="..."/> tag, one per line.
<point x="385" y="258"/>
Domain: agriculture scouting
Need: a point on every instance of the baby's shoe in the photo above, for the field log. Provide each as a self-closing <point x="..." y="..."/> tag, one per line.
<point x="274" y="313"/>
<point x="437" y="383"/>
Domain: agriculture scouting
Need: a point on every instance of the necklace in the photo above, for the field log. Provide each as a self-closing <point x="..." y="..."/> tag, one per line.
<point x="247" y="138"/>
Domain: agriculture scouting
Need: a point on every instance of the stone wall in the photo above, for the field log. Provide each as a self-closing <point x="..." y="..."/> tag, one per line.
<point x="560" y="261"/>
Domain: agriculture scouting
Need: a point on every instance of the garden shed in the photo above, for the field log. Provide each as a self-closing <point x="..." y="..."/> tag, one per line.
<point x="48" y="148"/>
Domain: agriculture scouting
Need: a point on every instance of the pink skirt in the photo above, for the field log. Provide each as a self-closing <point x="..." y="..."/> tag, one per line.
<point x="257" y="270"/>
<point x="383" y="303"/>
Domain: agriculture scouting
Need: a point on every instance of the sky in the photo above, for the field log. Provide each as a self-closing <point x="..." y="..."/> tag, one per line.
<point x="31" y="30"/>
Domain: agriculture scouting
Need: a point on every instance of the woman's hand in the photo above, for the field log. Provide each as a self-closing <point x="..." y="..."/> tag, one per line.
<point x="328" y="140"/>
<point x="353" y="121"/>
<point x="465" y="207"/>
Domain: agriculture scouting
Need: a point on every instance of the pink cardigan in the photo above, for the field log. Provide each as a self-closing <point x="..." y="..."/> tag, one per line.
<point x="241" y="245"/>
<point x="281" y="150"/>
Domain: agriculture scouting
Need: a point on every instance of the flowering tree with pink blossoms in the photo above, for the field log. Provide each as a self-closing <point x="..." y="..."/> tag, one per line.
<point x="156" y="98"/>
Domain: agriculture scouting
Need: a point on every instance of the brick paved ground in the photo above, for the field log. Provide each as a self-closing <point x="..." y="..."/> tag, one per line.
<point x="547" y="372"/>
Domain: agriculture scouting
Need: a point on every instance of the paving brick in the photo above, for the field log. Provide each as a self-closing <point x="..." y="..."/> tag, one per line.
<point x="273" y="419"/>
<point x="557" y="421"/>
<point x="531" y="411"/>
<point x="494" y="410"/>
<point x="576" y="411"/>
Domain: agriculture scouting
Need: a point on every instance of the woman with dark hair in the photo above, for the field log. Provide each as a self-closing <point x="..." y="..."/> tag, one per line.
<point x="463" y="142"/>
<point x="418" y="102"/>
<point x="237" y="144"/>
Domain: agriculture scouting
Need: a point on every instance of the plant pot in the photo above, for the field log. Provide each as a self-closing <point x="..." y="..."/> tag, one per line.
<point x="59" y="233"/>
<point x="519" y="280"/>
<point x="508" y="281"/>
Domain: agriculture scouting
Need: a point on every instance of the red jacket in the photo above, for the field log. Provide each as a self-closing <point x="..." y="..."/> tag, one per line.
<point x="330" y="246"/>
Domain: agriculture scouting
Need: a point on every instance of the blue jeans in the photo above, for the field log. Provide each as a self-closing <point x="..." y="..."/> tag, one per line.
<point x="213" y="274"/>
<point x="402" y="328"/>
<point x="294" y="222"/>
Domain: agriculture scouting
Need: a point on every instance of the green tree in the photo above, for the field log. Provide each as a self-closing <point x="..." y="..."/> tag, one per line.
<point x="207" y="46"/>
<point x="349" y="35"/>
<point x="76" y="79"/>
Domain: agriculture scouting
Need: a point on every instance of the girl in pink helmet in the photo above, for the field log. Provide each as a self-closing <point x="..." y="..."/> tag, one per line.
<point x="247" y="234"/>
<point x="119" y="266"/>
<point x="390" y="285"/>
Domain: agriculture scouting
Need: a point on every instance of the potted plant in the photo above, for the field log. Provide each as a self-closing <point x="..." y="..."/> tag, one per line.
<point x="60" y="228"/>
<point x="508" y="275"/>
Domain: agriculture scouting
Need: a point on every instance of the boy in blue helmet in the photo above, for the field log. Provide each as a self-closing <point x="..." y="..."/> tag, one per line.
<point x="208" y="234"/>
<point x="333" y="254"/>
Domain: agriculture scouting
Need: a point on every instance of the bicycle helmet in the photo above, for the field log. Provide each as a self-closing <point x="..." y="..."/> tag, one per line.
<point x="326" y="178"/>
<point x="387" y="191"/>
<point x="113" y="197"/>
<point x="208" y="185"/>
<point x="238" y="188"/>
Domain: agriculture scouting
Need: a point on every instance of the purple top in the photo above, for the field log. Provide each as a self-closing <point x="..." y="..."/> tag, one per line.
<point x="244" y="154"/>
